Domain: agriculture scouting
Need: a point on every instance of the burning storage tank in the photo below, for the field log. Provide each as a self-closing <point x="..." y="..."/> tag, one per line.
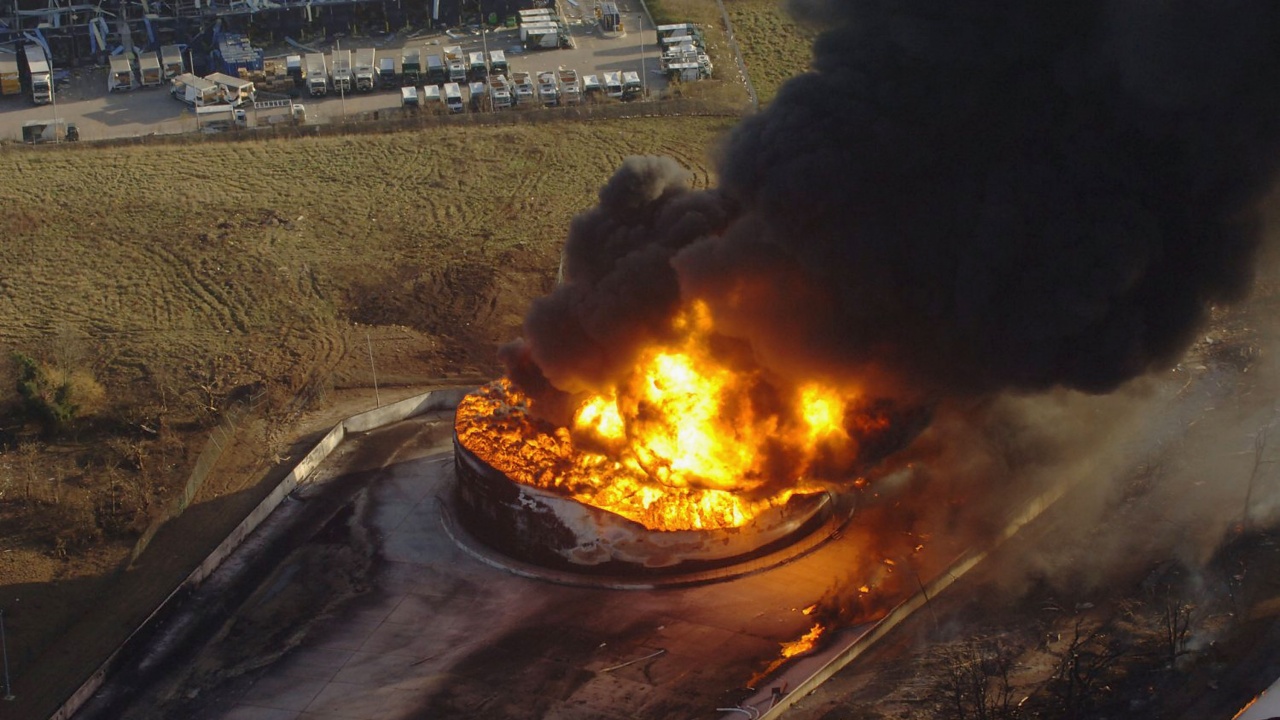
<point x="695" y="460"/>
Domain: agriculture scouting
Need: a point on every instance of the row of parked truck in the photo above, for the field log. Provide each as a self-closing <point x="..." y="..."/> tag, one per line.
<point x="145" y="68"/>
<point x="38" y="72"/>
<point x="361" y="70"/>
<point x="497" y="92"/>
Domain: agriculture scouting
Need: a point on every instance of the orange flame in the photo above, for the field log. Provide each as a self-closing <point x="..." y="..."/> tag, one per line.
<point x="791" y="649"/>
<point x="804" y="644"/>
<point x="689" y="440"/>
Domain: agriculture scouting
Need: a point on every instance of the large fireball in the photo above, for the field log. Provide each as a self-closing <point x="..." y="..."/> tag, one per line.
<point x="695" y="437"/>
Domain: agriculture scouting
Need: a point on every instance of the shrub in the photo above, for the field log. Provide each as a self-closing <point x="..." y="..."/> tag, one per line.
<point x="53" y="397"/>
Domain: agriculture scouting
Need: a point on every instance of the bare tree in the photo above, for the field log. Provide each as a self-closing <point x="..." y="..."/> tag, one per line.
<point x="1083" y="668"/>
<point x="1177" y="619"/>
<point x="1259" y="461"/>
<point x="975" y="680"/>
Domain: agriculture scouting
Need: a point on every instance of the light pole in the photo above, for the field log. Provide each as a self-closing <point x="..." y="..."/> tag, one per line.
<point x="484" y="40"/>
<point x="53" y="99"/>
<point x="644" y="80"/>
<point x="337" y="45"/>
<point x="4" y="647"/>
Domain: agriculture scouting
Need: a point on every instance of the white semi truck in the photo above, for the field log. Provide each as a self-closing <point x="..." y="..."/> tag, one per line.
<point x="342" y="81"/>
<point x="41" y="76"/>
<point x="317" y="75"/>
<point x="366" y="69"/>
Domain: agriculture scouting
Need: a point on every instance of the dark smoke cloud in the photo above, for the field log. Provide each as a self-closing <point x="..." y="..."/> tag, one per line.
<point x="965" y="197"/>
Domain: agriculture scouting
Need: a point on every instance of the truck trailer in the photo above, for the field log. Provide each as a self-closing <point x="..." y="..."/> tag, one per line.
<point x="437" y="73"/>
<point x="546" y="36"/>
<point x="387" y="72"/>
<point x="366" y="69"/>
<point x="42" y="131"/>
<point x="195" y="91"/>
<point x="150" y="73"/>
<point x="497" y="62"/>
<point x="410" y="66"/>
<point x="453" y="97"/>
<point x="41" y="76"/>
<point x="172" y="62"/>
<point x="430" y="97"/>
<point x="213" y="118"/>
<point x="317" y="75"/>
<point x="10" y="77"/>
<point x="477" y="68"/>
<point x="235" y="91"/>
<point x="120" y="77"/>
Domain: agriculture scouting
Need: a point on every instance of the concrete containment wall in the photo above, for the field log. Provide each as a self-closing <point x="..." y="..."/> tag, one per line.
<point x="434" y="400"/>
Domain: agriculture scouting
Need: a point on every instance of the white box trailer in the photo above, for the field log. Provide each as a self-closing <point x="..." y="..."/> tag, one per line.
<point x="430" y="97"/>
<point x="538" y="16"/>
<point x="544" y="36"/>
<point x="42" y="131"/>
<point x="631" y="85"/>
<point x="236" y="91"/>
<point x="172" y="62"/>
<point x="453" y="97"/>
<point x="478" y="93"/>
<point x="409" y="97"/>
<point x="497" y="62"/>
<point x="613" y="84"/>
<point x="149" y="72"/>
<point x="221" y="117"/>
<point x="477" y="68"/>
<point x="120" y="76"/>
<point x="195" y="91"/>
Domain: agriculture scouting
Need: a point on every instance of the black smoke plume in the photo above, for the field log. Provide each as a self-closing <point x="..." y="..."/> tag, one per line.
<point x="960" y="198"/>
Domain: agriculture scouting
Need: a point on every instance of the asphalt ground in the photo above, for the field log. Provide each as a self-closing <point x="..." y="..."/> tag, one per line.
<point x="99" y="114"/>
<point x="440" y="631"/>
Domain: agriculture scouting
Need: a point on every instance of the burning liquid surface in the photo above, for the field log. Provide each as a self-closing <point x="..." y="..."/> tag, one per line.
<point x="694" y="439"/>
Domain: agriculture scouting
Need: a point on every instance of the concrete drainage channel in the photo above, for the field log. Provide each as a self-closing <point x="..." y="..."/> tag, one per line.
<point x="203" y="600"/>
<point x="150" y="640"/>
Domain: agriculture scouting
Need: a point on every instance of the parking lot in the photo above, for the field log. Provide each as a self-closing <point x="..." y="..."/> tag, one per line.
<point x="85" y="102"/>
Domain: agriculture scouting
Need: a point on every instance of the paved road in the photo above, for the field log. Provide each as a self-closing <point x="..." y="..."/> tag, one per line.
<point x="99" y="114"/>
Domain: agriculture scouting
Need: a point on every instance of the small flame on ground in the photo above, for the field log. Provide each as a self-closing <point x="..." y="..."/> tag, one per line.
<point x="789" y="650"/>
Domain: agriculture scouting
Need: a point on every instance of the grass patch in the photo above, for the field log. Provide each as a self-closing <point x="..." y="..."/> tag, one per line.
<point x="774" y="46"/>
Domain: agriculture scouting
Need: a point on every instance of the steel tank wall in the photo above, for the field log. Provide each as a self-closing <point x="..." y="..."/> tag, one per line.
<point x="540" y="527"/>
